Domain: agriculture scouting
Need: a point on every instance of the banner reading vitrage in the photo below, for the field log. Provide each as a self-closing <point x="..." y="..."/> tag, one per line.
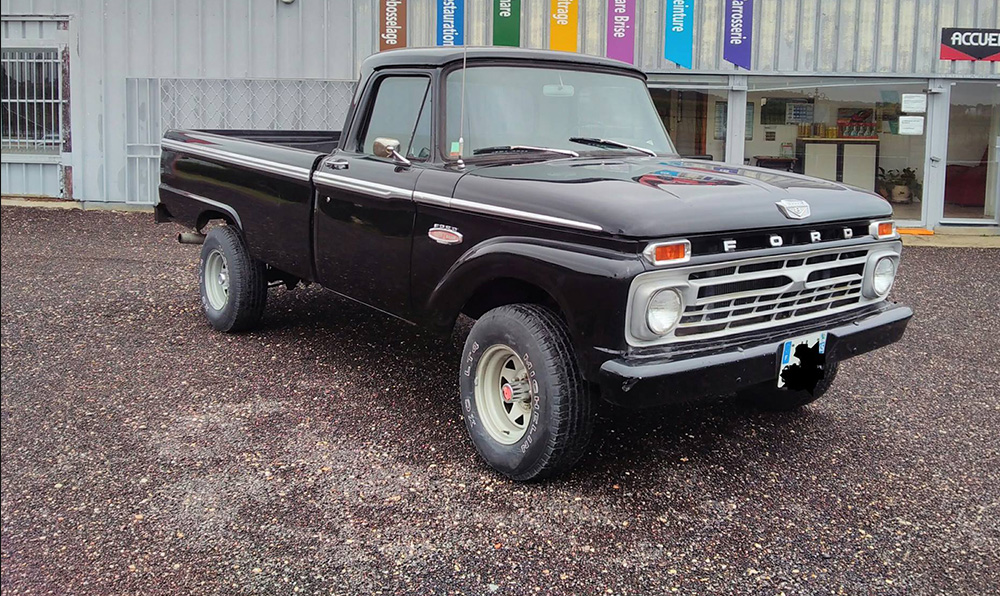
<point x="392" y="24"/>
<point x="621" y="30"/>
<point x="563" y="25"/>
<point x="739" y="32"/>
<point x="451" y="23"/>
<point x="507" y="23"/>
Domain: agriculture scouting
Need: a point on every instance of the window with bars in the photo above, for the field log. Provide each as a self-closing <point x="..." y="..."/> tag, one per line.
<point x="32" y="101"/>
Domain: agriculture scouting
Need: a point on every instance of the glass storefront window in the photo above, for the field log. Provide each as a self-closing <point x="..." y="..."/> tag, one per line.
<point x="695" y="119"/>
<point x="848" y="130"/>
<point x="971" y="186"/>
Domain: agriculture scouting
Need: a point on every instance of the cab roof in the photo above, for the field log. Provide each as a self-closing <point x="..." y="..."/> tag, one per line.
<point x="440" y="56"/>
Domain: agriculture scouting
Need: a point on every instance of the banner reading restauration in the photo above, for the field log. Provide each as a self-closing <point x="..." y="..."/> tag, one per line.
<point x="678" y="34"/>
<point x="563" y="25"/>
<point x="392" y="24"/>
<point x="451" y="23"/>
<point x="621" y="30"/>
<point x="507" y="23"/>
<point x="739" y="32"/>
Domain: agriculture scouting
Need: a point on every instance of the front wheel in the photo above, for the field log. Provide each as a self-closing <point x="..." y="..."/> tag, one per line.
<point x="528" y="410"/>
<point x="233" y="284"/>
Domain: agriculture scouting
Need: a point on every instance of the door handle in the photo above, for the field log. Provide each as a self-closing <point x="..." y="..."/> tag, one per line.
<point x="336" y="164"/>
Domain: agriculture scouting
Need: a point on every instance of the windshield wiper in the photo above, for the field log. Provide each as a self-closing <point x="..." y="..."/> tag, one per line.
<point x="595" y="142"/>
<point x="516" y="148"/>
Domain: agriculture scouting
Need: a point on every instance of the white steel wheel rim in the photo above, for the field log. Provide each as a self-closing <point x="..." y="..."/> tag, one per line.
<point x="217" y="279"/>
<point x="503" y="394"/>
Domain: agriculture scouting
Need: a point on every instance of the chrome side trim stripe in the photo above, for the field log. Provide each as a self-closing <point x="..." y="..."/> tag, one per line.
<point x="362" y="186"/>
<point x="206" y="200"/>
<point x="442" y="201"/>
<point x="272" y="167"/>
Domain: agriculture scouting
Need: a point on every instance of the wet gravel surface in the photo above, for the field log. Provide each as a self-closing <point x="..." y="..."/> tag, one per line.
<point x="145" y="454"/>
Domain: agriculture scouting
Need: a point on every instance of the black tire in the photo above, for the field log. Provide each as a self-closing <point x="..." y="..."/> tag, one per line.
<point x="767" y="396"/>
<point x="561" y="405"/>
<point x="247" y="289"/>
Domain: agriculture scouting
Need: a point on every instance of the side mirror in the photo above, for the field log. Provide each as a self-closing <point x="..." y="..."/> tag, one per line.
<point x="389" y="149"/>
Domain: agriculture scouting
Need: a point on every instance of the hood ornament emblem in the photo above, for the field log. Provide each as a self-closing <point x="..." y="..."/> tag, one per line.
<point x="793" y="208"/>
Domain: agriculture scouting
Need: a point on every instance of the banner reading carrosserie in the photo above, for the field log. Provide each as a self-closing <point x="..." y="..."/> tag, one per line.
<point x="392" y="24"/>
<point x="451" y="23"/>
<point x="563" y="24"/>
<point x="738" y="32"/>
<point x="678" y="37"/>
<point x="507" y="23"/>
<point x="621" y="30"/>
<point x="970" y="44"/>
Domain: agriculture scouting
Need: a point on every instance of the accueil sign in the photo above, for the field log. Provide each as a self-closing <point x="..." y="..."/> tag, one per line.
<point x="970" y="44"/>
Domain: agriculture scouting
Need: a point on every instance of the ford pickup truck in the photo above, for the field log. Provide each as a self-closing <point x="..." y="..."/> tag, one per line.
<point x="539" y="194"/>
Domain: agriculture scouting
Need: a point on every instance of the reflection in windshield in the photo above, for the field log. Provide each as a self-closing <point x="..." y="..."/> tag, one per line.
<point x="545" y="107"/>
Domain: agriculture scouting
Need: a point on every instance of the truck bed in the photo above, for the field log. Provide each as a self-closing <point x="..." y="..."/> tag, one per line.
<point x="321" y="141"/>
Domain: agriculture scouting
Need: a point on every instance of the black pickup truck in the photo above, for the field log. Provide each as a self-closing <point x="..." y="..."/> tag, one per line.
<point x="538" y="193"/>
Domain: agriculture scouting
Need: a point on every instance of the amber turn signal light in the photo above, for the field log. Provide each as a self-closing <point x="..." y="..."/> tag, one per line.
<point x="883" y="229"/>
<point x="662" y="253"/>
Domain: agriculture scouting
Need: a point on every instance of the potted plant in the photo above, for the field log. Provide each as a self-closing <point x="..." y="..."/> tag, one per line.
<point x="899" y="186"/>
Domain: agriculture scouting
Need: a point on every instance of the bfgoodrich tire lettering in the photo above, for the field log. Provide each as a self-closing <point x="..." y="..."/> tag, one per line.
<point x="240" y="305"/>
<point x="561" y="406"/>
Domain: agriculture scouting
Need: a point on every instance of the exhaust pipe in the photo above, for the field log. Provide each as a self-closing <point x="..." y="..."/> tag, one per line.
<point x="190" y="238"/>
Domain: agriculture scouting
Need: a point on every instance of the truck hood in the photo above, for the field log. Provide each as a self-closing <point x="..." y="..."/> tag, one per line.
<point x="658" y="197"/>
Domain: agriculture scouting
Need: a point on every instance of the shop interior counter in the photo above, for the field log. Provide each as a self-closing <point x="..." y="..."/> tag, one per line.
<point x="852" y="161"/>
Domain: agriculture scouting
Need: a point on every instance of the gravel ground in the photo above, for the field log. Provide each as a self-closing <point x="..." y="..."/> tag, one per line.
<point x="145" y="454"/>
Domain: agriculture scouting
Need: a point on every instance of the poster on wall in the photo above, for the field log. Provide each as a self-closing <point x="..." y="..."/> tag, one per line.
<point x="678" y="36"/>
<point x="970" y="44"/>
<point x="739" y="32"/>
<point x="621" y="30"/>
<point x="563" y="25"/>
<point x="392" y="24"/>
<point x="507" y="23"/>
<point x="451" y="23"/>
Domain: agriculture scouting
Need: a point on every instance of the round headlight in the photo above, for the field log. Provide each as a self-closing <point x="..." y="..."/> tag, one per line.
<point x="883" y="276"/>
<point x="664" y="311"/>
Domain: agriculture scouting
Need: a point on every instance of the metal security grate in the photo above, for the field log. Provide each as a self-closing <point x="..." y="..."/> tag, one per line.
<point x="156" y="105"/>
<point x="32" y="101"/>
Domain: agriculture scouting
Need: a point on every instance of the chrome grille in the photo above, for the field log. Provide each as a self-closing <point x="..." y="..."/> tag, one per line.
<point x="784" y="289"/>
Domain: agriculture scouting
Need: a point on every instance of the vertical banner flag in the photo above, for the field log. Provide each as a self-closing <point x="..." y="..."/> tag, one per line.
<point x="678" y="34"/>
<point x="563" y="25"/>
<point x="739" y="32"/>
<point x="451" y="23"/>
<point x="507" y="23"/>
<point x="392" y="24"/>
<point x="621" y="30"/>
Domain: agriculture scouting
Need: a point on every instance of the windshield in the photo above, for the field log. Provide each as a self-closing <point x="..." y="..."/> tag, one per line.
<point x="525" y="107"/>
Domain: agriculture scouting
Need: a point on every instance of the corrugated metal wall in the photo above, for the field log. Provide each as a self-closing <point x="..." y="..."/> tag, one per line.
<point x="268" y="39"/>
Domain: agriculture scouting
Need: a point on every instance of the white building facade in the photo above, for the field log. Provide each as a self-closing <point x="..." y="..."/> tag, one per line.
<point x="861" y="91"/>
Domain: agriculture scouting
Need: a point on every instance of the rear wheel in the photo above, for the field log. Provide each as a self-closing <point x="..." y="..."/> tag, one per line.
<point x="233" y="284"/>
<point x="767" y="396"/>
<point x="526" y="407"/>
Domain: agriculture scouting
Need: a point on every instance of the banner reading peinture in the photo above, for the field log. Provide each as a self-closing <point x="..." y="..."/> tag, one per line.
<point x="678" y="34"/>
<point x="451" y="23"/>
<point x="392" y="24"/>
<point x="563" y="25"/>
<point x="739" y="32"/>
<point x="621" y="30"/>
<point x="507" y="23"/>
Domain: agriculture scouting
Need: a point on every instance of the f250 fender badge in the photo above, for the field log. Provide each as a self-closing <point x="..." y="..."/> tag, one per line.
<point x="443" y="234"/>
<point x="793" y="208"/>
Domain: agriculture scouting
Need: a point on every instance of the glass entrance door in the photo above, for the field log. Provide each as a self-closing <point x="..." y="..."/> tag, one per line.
<point x="972" y="172"/>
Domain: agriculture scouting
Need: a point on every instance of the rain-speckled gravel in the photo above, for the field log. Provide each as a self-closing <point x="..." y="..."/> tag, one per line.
<point x="145" y="454"/>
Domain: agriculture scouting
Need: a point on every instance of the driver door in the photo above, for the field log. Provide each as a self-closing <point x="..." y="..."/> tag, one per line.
<point x="365" y="210"/>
